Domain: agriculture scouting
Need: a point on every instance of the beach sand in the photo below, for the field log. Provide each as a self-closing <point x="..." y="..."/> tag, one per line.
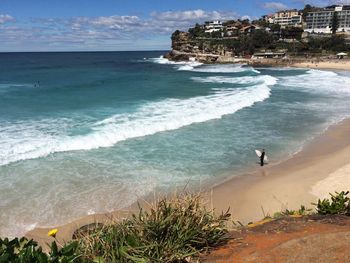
<point x="339" y="64"/>
<point x="323" y="166"/>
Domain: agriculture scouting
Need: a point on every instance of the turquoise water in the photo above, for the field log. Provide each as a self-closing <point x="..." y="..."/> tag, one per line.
<point x="84" y="133"/>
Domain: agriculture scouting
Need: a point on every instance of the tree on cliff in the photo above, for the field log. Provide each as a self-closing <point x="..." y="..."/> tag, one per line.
<point x="261" y="39"/>
<point x="292" y="32"/>
<point x="175" y="35"/>
<point x="197" y="31"/>
<point x="308" y="8"/>
<point x="335" y="23"/>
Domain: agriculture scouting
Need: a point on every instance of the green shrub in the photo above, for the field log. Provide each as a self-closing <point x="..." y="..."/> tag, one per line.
<point x="67" y="254"/>
<point x="21" y="250"/>
<point x="28" y="251"/>
<point x="172" y="230"/>
<point x="338" y="205"/>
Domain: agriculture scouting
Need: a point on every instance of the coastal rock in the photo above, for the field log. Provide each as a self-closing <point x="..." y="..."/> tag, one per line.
<point x="306" y="239"/>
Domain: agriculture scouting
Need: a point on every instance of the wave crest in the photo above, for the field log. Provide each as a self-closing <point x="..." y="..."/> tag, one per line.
<point x="166" y="115"/>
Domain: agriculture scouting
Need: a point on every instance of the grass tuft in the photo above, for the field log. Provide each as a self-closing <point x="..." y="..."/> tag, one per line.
<point x="170" y="230"/>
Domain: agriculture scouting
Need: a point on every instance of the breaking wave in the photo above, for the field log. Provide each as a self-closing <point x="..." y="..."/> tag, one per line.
<point x="27" y="141"/>
<point x="247" y="80"/>
<point x="200" y="67"/>
<point x="319" y="81"/>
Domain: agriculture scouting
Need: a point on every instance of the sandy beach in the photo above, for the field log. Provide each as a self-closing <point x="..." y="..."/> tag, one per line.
<point x="339" y="64"/>
<point x="330" y="64"/>
<point x="321" y="167"/>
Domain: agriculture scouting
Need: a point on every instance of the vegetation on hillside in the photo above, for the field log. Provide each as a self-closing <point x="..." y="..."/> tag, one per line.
<point x="263" y="36"/>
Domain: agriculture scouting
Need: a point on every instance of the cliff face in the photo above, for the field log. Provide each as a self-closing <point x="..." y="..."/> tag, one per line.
<point x="181" y="41"/>
<point x="204" y="50"/>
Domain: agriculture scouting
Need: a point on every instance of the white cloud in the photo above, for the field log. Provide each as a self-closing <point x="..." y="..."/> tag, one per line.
<point x="198" y="15"/>
<point x="6" y="18"/>
<point x="246" y="17"/>
<point x="340" y="2"/>
<point x="275" y="6"/>
<point x="81" y="32"/>
<point x="113" y="21"/>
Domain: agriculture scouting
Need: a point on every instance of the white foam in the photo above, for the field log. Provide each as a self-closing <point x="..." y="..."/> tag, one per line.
<point x="247" y="80"/>
<point x="319" y="81"/>
<point x="170" y="114"/>
<point x="163" y="60"/>
<point x="17" y="230"/>
<point x="8" y="87"/>
<point x="200" y="67"/>
<point x="190" y="64"/>
<point x="91" y="212"/>
<point x="227" y="68"/>
<point x="186" y="68"/>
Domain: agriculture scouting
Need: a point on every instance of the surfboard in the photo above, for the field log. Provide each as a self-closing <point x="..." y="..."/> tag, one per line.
<point x="258" y="153"/>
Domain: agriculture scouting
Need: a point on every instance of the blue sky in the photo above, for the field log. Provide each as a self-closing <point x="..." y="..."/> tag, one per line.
<point x="72" y="25"/>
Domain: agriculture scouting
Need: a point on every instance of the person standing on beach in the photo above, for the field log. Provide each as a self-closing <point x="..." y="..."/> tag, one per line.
<point x="262" y="156"/>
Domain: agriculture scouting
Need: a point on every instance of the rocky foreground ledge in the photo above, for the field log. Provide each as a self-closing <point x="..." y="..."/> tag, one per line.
<point x="312" y="238"/>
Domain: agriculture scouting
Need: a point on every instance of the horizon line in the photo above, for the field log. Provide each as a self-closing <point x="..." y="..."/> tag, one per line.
<point x="85" y="51"/>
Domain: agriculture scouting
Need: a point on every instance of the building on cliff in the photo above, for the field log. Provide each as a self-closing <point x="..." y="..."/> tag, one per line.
<point x="320" y="21"/>
<point x="213" y="26"/>
<point x="285" y="18"/>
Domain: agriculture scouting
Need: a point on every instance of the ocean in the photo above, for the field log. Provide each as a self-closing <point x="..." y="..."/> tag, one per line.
<point x="91" y="132"/>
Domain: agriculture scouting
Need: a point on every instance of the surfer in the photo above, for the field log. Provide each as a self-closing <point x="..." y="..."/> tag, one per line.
<point x="262" y="156"/>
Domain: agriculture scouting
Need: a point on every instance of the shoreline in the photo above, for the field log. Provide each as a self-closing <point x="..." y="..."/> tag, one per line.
<point x="291" y="183"/>
<point x="251" y="196"/>
<point x="297" y="62"/>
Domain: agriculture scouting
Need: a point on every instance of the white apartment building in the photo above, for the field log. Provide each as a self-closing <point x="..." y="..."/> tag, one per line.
<point x="285" y="18"/>
<point x="212" y="26"/>
<point x="321" y="21"/>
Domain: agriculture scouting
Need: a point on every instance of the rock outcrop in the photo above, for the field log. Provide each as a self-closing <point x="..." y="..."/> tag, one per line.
<point x="204" y="50"/>
<point x="303" y="239"/>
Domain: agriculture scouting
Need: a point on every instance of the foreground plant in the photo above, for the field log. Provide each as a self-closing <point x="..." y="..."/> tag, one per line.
<point x="302" y="211"/>
<point x="171" y="230"/>
<point x="338" y="204"/>
<point x="28" y="251"/>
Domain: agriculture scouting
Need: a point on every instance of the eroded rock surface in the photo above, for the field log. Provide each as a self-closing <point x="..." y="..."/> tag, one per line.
<point x="307" y="239"/>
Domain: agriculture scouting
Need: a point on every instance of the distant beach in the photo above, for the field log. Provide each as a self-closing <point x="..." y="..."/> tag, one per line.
<point x="337" y="64"/>
<point x="327" y="64"/>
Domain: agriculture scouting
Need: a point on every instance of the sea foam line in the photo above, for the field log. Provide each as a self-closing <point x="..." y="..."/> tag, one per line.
<point x="320" y="82"/>
<point x="166" y="115"/>
<point x="195" y="66"/>
<point x="247" y="80"/>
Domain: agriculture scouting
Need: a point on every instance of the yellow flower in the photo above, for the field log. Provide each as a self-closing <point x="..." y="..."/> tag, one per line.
<point x="52" y="232"/>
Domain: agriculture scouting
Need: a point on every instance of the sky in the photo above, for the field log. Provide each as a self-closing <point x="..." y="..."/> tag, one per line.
<point x="115" y="25"/>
